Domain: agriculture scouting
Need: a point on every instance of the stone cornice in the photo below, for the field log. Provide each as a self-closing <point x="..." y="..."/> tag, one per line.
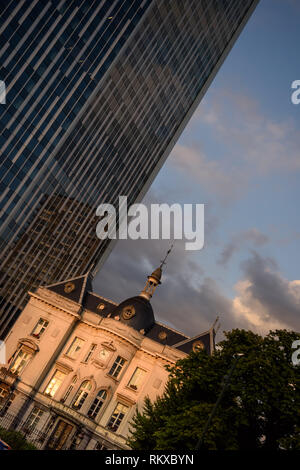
<point x="56" y="301"/>
<point x="107" y="325"/>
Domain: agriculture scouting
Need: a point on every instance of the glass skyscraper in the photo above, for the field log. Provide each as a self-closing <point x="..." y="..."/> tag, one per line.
<point x="97" y="93"/>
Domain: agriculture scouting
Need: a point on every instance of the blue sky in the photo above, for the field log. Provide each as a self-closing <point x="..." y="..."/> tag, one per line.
<point x="239" y="155"/>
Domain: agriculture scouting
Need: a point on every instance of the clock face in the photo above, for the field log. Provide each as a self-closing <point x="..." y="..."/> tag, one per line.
<point x="128" y="312"/>
<point x="104" y="354"/>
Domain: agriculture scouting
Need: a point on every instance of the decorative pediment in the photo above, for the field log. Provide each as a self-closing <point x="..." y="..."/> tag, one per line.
<point x="125" y="399"/>
<point x="29" y="345"/>
<point x="63" y="367"/>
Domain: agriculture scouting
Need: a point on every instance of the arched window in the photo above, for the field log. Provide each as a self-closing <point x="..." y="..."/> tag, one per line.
<point x="97" y="404"/>
<point x="69" y="389"/>
<point x="82" y="394"/>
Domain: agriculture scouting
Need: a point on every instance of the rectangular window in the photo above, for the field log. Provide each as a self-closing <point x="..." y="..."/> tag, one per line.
<point x="39" y="328"/>
<point x="117" y="417"/>
<point x="75" y="348"/>
<point x="117" y="367"/>
<point x="137" y="379"/>
<point x="34" y="418"/>
<point x="20" y="361"/>
<point x="90" y="353"/>
<point x="55" y="383"/>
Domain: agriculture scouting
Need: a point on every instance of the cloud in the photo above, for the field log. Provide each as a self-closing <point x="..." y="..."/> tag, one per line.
<point x="224" y="184"/>
<point x="254" y="141"/>
<point x="253" y="236"/>
<point x="265" y="298"/>
<point x="190" y="302"/>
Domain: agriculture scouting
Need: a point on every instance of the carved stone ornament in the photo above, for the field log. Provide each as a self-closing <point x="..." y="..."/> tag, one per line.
<point x="69" y="287"/>
<point x="162" y="335"/>
<point x="128" y="312"/>
<point x="56" y="300"/>
<point x="197" y="346"/>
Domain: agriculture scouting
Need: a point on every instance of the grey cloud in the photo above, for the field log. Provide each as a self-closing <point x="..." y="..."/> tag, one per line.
<point x="279" y="297"/>
<point x="252" y="236"/>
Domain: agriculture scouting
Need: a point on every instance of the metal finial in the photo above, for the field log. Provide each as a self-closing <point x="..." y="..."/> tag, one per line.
<point x="167" y="254"/>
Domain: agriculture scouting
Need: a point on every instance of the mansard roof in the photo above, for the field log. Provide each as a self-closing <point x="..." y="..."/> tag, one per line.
<point x="80" y="290"/>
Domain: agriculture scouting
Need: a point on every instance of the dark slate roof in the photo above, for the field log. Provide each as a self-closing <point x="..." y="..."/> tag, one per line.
<point x="97" y="304"/>
<point x="172" y="336"/>
<point x="80" y="290"/>
<point x="205" y="338"/>
<point x="143" y="318"/>
<point x="73" y="289"/>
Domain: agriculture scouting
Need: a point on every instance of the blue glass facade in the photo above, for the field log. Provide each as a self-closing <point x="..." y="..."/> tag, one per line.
<point x="97" y="94"/>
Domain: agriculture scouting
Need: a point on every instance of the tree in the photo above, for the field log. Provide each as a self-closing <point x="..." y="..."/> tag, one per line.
<point x="260" y="408"/>
<point x="15" y="439"/>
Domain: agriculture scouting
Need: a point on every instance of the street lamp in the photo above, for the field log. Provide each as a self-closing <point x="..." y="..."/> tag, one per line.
<point x="226" y="382"/>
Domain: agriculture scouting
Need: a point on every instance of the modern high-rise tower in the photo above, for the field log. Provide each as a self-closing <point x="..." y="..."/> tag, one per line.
<point x="97" y="93"/>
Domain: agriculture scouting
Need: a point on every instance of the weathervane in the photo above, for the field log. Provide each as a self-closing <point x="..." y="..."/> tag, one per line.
<point x="167" y="254"/>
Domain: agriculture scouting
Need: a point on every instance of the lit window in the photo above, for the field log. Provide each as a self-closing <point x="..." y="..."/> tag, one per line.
<point x="97" y="404"/>
<point x="75" y="347"/>
<point x="117" y="367"/>
<point x="82" y="394"/>
<point x="55" y="383"/>
<point x="40" y="328"/>
<point x="90" y="353"/>
<point x="20" y="360"/>
<point x="117" y="417"/>
<point x="34" y="418"/>
<point x="137" y="379"/>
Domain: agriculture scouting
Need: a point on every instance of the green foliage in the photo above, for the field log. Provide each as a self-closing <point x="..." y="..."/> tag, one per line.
<point x="15" y="440"/>
<point x="260" y="408"/>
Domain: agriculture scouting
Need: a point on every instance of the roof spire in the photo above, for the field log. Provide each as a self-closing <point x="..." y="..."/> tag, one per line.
<point x="155" y="279"/>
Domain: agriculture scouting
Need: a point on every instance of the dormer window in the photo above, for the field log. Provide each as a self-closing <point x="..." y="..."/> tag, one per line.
<point x="39" y="328"/>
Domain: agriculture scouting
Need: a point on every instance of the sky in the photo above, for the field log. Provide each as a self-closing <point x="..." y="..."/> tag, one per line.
<point x="238" y="155"/>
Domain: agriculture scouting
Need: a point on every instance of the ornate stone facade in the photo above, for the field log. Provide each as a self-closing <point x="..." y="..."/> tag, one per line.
<point x="79" y="365"/>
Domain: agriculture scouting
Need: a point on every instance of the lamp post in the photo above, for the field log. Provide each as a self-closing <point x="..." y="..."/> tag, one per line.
<point x="226" y="382"/>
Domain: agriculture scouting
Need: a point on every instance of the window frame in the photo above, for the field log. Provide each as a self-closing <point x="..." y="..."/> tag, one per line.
<point x="114" y="423"/>
<point x="90" y="353"/>
<point x="100" y="400"/>
<point x="76" y="352"/>
<point x="29" y="356"/>
<point x="82" y="395"/>
<point x="117" y="366"/>
<point x="51" y="379"/>
<point x="42" y="330"/>
<point x="138" y="386"/>
<point x="31" y="426"/>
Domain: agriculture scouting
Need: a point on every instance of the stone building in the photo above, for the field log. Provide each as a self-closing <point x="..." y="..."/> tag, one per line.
<point x="79" y="365"/>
